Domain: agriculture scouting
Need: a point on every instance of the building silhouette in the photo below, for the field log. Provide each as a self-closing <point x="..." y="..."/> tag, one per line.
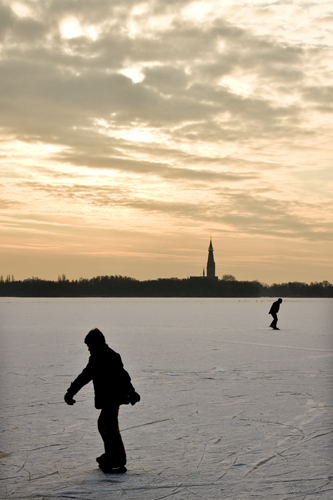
<point x="211" y="262"/>
<point x="210" y="273"/>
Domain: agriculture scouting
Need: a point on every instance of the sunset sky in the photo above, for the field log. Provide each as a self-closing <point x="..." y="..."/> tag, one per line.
<point x="133" y="131"/>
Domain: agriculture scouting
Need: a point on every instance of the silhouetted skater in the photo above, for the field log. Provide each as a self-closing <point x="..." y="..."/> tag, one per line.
<point x="113" y="387"/>
<point x="273" y="311"/>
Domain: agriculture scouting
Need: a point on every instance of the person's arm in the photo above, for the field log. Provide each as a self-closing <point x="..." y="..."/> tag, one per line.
<point x="84" y="378"/>
<point x="131" y="396"/>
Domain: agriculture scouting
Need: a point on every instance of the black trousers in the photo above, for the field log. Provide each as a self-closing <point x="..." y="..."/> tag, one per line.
<point x="109" y="430"/>
<point x="275" y="320"/>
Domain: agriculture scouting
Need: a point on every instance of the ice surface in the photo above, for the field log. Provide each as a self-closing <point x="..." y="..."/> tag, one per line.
<point x="230" y="408"/>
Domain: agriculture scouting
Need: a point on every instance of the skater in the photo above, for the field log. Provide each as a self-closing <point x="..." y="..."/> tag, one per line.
<point x="112" y="385"/>
<point x="273" y="311"/>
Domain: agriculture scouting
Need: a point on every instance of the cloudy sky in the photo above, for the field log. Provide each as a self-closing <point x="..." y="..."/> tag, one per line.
<point x="132" y="131"/>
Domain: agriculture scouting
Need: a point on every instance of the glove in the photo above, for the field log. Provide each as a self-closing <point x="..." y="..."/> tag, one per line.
<point x="69" y="399"/>
<point x="134" y="398"/>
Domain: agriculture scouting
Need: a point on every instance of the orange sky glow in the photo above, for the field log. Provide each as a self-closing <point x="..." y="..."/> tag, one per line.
<point x="131" y="132"/>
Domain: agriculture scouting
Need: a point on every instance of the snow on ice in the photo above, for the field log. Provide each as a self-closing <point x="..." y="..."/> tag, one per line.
<point x="230" y="409"/>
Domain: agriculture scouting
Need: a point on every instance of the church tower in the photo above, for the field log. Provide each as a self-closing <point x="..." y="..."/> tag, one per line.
<point x="211" y="262"/>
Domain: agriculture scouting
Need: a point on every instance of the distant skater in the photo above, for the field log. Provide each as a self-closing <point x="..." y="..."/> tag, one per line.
<point x="273" y="311"/>
<point x="113" y="387"/>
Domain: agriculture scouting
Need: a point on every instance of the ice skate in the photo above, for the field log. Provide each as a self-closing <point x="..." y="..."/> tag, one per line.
<point x="101" y="459"/>
<point x="108" y="467"/>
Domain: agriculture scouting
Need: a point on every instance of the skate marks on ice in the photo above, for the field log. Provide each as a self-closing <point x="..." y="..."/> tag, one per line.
<point x="237" y="422"/>
<point x="218" y="440"/>
<point x="274" y="346"/>
<point x="258" y="453"/>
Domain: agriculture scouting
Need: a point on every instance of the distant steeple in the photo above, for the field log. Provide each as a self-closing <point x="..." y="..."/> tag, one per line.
<point x="210" y="261"/>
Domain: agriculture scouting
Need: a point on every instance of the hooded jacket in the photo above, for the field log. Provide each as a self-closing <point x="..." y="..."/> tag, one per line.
<point x="275" y="307"/>
<point x="112" y="383"/>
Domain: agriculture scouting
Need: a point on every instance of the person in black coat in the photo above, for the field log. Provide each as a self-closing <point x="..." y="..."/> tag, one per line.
<point x="113" y="387"/>
<point x="273" y="311"/>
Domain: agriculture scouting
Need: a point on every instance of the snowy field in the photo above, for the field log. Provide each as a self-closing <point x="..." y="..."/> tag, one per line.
<point x="230" y="408"/>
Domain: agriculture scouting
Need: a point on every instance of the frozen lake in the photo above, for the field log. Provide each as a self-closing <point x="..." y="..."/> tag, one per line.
<point x="230" y="409"/>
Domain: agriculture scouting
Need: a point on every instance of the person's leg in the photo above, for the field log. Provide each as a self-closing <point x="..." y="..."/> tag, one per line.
<point x="109" y="430"/>
<point x="274" y="320"/>
<point x="275" y="324"/>
<point x="271" y="325"/>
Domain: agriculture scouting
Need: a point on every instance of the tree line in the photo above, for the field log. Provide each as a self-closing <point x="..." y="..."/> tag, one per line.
<point x="123" y="286"/>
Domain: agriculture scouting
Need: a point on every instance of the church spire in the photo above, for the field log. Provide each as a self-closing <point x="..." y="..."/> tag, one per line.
<point x="210" y="261"/>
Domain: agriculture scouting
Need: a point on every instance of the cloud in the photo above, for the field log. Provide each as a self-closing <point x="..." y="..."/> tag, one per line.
<point x="228" y="210"/>
<point x="77" y="80"/>
<point x="322" y="97"/>
<point x="8" y="204"/>
<point x="209" y="113"/>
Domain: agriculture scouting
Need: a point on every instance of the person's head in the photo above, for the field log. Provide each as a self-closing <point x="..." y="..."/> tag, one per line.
<point x="280" y="300"/>
<point x="95" y="338"/>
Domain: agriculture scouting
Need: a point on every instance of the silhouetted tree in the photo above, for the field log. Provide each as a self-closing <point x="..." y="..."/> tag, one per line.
<point x="123" y="286"/>
<point x="228" y="277"/>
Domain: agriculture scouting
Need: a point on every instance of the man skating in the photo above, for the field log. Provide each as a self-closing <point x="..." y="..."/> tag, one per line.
<point x="113" y="387"/>
<point x="273" y="311"/>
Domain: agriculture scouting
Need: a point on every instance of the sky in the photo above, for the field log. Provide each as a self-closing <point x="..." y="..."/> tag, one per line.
<point x="131" y="132"/>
